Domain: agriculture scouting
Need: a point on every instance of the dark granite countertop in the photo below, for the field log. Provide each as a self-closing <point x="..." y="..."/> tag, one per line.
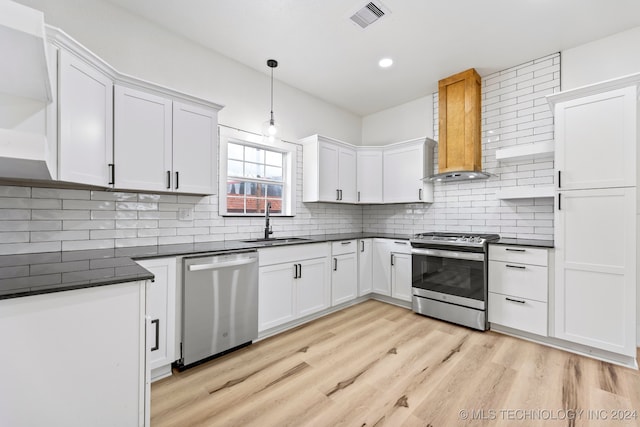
<point x="525" y="242"/>
<point x="41" y="273"/>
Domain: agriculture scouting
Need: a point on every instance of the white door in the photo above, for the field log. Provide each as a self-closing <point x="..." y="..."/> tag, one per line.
<point x="403" y="170"/>
<point x="195" y="149"/>
<point x="596" y="141"/>
<point x="276" y="303"/>
<point x="595" y="283"/>
<point x="328" y="158"/>
<point x="347" y="165"/>
<point x="401" y="276"/>
<point x="142" y="141"/>
<point x="312" y="287"/>
<point x="381" y="267"/>
<point x="369" y="176"/>
<point x="85" y="115"/>
<point x="344" y="278"/>
<point x="365" y="266"/>
<point x="161" y="310"/>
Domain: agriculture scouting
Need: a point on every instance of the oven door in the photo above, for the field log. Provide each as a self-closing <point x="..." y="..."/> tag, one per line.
<point x="454" y="277"/>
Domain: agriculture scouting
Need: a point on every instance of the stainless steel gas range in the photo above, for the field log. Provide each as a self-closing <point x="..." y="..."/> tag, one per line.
<point x="449" y="276"/>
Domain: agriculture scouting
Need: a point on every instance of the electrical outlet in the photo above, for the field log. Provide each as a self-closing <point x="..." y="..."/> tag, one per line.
<point x="185" y="214"/>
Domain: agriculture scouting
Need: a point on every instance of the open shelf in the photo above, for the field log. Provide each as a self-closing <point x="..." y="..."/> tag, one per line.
<point x="525" y="192"/>
<point x="538" y="150"/>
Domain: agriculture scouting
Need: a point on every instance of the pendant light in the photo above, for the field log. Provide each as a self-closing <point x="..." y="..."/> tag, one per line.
<point x="269" y="128"/>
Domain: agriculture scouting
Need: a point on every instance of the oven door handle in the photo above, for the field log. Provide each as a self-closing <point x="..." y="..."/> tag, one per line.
<point x="471" y="256"/>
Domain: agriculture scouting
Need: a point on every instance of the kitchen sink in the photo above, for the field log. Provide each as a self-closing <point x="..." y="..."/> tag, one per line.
<point x="278" y="241"/>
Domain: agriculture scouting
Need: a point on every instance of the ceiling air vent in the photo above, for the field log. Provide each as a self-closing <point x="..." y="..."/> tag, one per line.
<point x="369" y="14"/>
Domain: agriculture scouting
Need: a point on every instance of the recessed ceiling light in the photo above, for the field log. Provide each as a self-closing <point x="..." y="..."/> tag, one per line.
<point x="385" y="62"/>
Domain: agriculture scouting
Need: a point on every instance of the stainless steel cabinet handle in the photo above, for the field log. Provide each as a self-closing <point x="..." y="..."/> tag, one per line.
<point x="337" y="194"/>
<point x="168" y="179"/>
<point x="361" y="245"/>
<point x="157" y="323"/>
<point x="514" y="250"/>
<point x="392" y="259"/>
<point x="559" y="201"/>
<point x="340" y="194"/>
<point x="346" y="243"/>
<point x="515" y="300"/>
<point x="358" y="196"/>
<point x="400" y="243"/>
<point x="112" y="174"/>
<point x="177" y="180"/>
<point x="520" y="267"/>
<point x="335" y="264"/>
<point x="419" y="193"/>
<point x="299" y="271"/>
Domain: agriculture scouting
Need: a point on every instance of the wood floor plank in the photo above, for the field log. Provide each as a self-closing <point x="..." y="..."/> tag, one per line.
<point x="375" y="364"/>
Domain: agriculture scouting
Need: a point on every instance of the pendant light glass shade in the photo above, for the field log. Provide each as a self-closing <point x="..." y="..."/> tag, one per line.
<point x="270" y="130"/>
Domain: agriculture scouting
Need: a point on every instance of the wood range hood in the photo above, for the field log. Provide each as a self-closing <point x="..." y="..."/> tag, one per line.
<point x="459" y="144"/>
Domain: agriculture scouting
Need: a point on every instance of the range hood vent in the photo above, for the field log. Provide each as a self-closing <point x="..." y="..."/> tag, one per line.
<point x="459" y="176"/>
<point x="369" y="14"/>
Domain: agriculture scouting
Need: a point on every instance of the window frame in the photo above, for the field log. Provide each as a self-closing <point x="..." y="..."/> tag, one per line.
<point x="289" y="163"/>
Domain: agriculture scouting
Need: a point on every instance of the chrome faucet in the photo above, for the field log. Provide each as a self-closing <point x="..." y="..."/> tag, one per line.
<point x="267" y="227"/>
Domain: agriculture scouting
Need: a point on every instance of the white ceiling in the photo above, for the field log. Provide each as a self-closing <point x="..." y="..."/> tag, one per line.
<point x="322" y="52"/>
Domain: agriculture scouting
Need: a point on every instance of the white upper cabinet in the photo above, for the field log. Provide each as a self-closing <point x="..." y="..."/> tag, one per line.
<point x="369" y="167"/>
<point x="195" y="148"/>
<point x="329" y="170"/>
<point x="164" y="145"/>
<point x="85" y="120"/>
<point x="404" y="167"/>
<point x="595" y="140"/>
<point x="142" y="140"/>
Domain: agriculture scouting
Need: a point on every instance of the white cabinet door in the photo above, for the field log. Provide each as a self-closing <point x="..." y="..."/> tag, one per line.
<point x="276" y="301"/>
<point x="83" y="348"/>
<point x="312" y="287"/>
<point x="344" y="278"/>
<point x="328" y="160"/>
<point x="365" y="266"/>
<point x="403" y="171"/>
<point x="595" y="283"/>
<point x="347" y="165"/>
<point x="596" y="140"/>
<point x="161" y="311"/>
<point x="142" y="140"/>
<point x="369" y="175"/>
<point x="401" y="276"/>
<point x="195" y="149"/>
<point x="381" y="267"/>
<point x="85" y="115"/>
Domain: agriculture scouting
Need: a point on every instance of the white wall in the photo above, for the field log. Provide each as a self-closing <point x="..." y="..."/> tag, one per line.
<point x="138" y="47"/>
<point x="603" y="59"/>
<point x="401" y="123"/>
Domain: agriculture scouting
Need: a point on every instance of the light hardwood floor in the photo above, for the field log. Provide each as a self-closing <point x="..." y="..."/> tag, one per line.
<point x="376" y="364"/>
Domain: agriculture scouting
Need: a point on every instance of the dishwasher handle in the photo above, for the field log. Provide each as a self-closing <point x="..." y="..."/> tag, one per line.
<point x="216" y="265"/>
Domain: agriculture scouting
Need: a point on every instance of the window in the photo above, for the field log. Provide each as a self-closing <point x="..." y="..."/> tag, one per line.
<point x="253" y="174"/>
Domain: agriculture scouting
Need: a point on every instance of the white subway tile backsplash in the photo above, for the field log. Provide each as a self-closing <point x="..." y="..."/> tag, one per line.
<point x="25" y="203"/>
<point x="88" y="225"/>
<point x="80" y="245"/>
<point x="88" y="205"/>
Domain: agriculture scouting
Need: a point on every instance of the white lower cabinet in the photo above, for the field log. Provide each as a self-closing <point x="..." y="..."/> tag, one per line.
<point x="401" y="276"/>
<point x="75" y="358"/>
<point x="392" y="268"/>
<point x="294" y="281"/>
<point x="344" y="271"/>
<point x="161" y="314"/>
<point x="518" y="288"/>
<point x="365" y="266"/>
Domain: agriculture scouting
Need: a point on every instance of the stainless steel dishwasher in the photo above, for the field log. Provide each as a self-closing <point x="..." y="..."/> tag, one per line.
<point x="219" y="304"/>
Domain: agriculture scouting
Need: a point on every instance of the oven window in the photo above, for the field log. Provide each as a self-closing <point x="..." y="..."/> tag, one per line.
<point x="451" y="276"/>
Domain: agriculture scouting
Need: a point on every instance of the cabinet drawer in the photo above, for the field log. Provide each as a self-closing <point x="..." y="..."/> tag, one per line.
<point x="518" y="313"/>
<point x="344" y="247"/>
<point x="521" y="280"/>
<point x="521" y="254"/>
<point x="292" y="253"/>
